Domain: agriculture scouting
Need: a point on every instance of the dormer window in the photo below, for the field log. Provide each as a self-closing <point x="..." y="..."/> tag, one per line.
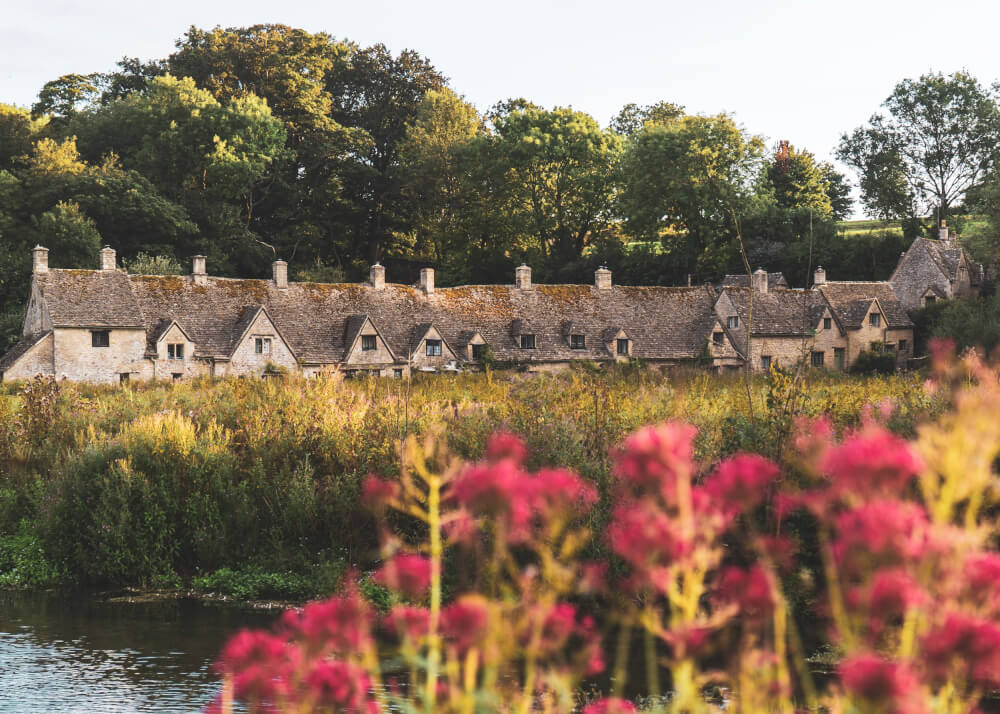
<point x="175" y="351"/>
<point x="577" y="342"/>
<point x="527" y="342"/>
<point x="622" y="346"/>
<point x="262" y="345"/>
<point x="368" y="343"/>
<point x="478" y="352"/>
<point x="875" y="320"/>
<point x="827" y="323"/>
<point x="717" y="338"/>
<point x="100" y="338"/>
<point x="733" y="322"/>
<point x="432" y="348"/>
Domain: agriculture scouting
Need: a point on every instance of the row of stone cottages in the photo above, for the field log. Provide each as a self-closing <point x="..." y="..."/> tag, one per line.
<point x="106" y="325"/>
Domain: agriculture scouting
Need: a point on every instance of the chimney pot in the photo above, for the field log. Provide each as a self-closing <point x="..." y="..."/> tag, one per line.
<point x="522" y="277"/>
<point x="198" y="273"/>
<point x="39" y="260"/>
<point x="943" y="232"/>
<point x="760" y="280"/>
<point x="279" y="271"/>
<point x="108" y="258"/>
<point x="427" y="280"/>
<point x="377" y="276"/>
<point x="819" y="276"/>
<point x="602" y="278"/>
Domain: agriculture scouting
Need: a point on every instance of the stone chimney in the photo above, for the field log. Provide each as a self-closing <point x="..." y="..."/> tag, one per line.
<point x="427" y="280"/>
<point x="760" y="280"/>
<point x="522" y="277"/>
<point x="602" y="278"/>
<point x="40" y="260"/>
<point x="108" y="258"/>
<point x="279" y="270"/>
<point x="376" y="276"/>
<point x="198" y="274"/>
<point x="943" y="232"/>
<point x="819" y="276"/>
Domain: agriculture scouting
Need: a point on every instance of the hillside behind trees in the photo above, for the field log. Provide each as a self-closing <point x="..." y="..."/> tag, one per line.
<point x="255" y="143"/>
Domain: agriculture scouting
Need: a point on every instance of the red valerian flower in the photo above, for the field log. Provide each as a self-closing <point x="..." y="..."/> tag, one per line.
<point x="261" y="665"/>
<point x="871" y="462"/>
<point x="489" y="488"/>
<point x="341" y="685"/>
<point x="893" y="593"/>
<point x="686" y="640"/>
<point x="740" y="483"/>
<point x="559" y="624"/>
<point x="653" y="458"/>
<point x="504" y="445"/>
<point x="645" y="536"/>
<point x="409" y="623"/>
<point x="610" y="705"/>
<point x="377" y="493"/>
<point x="982" y="577"/>
<point x="886" y="532"/>
<point x="340" y="624"/>
<point x="888" y="686"/>
<point x="965" y="644"/>
<point x="562" y="490"/>
<point x="749" y="589"/>
<point x="465" y="622"/>
<point x="407" y="574"/>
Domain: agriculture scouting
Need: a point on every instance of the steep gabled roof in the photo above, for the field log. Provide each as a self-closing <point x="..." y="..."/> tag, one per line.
<point x="90" y="298"/>
<point x="850" y="301"/>
<point x="790" y="313"/>
<point x="21" y="348"/>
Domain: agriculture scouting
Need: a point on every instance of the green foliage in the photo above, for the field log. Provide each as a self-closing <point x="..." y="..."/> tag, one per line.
<point x="874" y="362"/>
<point x="146" y="264"/>
<point x="937" y="142"/>
<point x="23" y="563"/>
<point x="254" y="582"/>
<point x="969" y="321"/>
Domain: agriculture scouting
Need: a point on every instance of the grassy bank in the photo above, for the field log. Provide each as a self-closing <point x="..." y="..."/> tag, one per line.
<point x="251" y="488"/>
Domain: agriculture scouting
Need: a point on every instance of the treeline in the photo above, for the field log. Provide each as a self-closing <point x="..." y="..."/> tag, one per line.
<point x="247" y="144"/>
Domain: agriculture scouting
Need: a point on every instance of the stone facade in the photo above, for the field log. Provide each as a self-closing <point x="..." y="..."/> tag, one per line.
<point x="108" y="326"/>
<point x="935" y="270"/>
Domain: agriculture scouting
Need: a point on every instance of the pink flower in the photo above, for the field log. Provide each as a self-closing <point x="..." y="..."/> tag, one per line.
<point x="740" y="483"/>
<point x="465" y="622"/>
<point x="882" y="683"/>
<point x="982" y="577"/>
<point x="646" y="537"/>
<point x="504" y="445"/>
<point x="559" y="624"/>
<point x="341" y="686"/>
<point x="377" y="493"/>
<point x="261" y="665"/>
<point x="880" y="533"/>
<point x="965" y="644"/>
<point x="489" y="488"/>
<point x="610" y="705"/>
<point x="749" y="589"/>
<point x="562" y="490"/>
<point x="407" y="574"/>
<point x="871" y="462"/>
<point x="653" y="458"/>
<point x="410" y="623"/>
<point x="340" y="624"/>
<point x="893" y="593"/>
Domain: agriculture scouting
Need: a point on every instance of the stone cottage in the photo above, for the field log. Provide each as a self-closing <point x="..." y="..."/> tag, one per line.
<point x="933" y="270"/>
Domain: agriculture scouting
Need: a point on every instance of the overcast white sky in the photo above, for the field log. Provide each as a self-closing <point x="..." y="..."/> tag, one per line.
<point x="803" y="71"/>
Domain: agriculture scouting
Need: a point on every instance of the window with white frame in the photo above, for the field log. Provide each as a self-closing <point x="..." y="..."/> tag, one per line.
<point x="432" y="348"/>
<point x="262" y="345"/>
<point x="175" y="351"/>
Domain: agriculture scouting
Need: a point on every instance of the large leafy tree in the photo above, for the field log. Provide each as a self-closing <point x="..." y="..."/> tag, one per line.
<point x="687" y="182"/>
<point x="380" y="95"/>
<point x="433" y="159"/>
<point x="213" y="159"/>
<point x="937" y="140"/>
<point x="553" y="171"/>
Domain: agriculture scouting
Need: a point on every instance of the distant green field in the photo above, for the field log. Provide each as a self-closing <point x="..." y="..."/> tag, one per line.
<point x="968" y="226"/>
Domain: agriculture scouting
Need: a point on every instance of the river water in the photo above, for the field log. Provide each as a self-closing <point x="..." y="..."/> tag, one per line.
<point x="66" y="653"/>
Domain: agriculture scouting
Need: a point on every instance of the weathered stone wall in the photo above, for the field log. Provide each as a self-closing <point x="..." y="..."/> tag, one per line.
<point x="37" y="360"/>
<point x="422" y="359"/>
<point x="785" y="351"/>
<point x="916" y="272"/>
<point x="378" y="356"/>
<point x="828" y="341"/>
<point x="76" y="358"/>
<point x="165" y="368"/>
<point x="246" y="361"/>
<point x="35" y="318"/>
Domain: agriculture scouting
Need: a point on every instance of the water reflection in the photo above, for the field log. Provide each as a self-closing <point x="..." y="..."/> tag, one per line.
<point x="81" y="654"/>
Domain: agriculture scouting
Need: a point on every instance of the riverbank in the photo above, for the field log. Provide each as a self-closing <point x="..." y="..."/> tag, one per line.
<point x="252" y="489"/>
